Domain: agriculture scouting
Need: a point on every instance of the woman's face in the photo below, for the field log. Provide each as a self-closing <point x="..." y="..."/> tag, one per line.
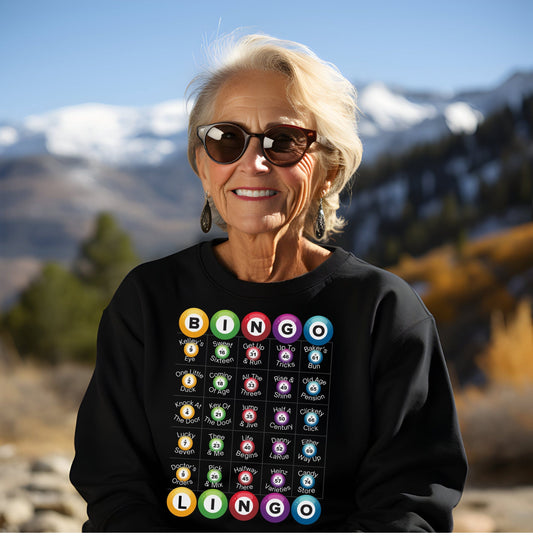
<point x="252" y="195"/>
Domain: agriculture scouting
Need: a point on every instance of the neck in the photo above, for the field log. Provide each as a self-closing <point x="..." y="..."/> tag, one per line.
<point x="269" y="258"/>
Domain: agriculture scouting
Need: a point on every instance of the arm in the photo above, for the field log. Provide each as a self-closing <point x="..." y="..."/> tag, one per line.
<point x="114" y="450"/>
<point x="413" y="473"/>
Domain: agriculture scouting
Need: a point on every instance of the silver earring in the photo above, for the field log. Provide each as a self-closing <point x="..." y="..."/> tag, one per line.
<point x="320" y="223"/>
<point x="205" y="218"/>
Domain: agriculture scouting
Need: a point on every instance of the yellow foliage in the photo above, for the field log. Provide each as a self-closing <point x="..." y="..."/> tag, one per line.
<point x="508" y="359"/>
<point x="473" y="279"/>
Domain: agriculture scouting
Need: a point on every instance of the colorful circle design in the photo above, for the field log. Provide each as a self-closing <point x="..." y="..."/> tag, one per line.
<point x="287" y="328"/>
<point x="249" y="416"/>
<point x="225" y="324"/>
<point x="251" y="384"/>
<point x="220" y="382"/>
<point x="216" y="445"/>
<point x="218" y="414"/>
<point x="313" y="388"/>
<point x="309" y="450"/>
<point x="247" y="446"/>
<point x="311" y="419"/>
<point x="185" y="443"/>
<point x="187" y="411"/>
<point x="315" y="356"/>
<point x="193" y="322"/>
<point x="281" y="418"/>
<point x="214" y="476"/>
<point x="283" y="387"/>
<point x="318" y="330"/>
<point x="181" y="502"/>
<point x="222" y="351"/>
<point x="277" y="480"/>
<point x="245" y="478"/>
<point x="275" y="508"/>
<point x="285" y="356"/>
<point x="183" y="474"/>
<point x="212" y="504"/>
<point x="253" y="353"/>
<point x="191" y="349"/>
<point x="255" y="326"/>
<point x="243" y="506"/>
<point x="307" y="481"/>
<point x="189" y="381"/>
<point x="279" y="448"/>
<point x="306" y="509"/>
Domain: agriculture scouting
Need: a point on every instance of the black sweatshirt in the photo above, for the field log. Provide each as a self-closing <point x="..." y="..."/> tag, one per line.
<point x="316" y="404"/>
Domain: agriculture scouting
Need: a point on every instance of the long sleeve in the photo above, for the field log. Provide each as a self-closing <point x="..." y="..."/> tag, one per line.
<point x="414" y="470"/>
<point x="114" y="447"/>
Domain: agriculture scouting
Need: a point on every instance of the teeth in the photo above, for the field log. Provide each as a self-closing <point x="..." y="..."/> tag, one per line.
<point x="254" y="193"/>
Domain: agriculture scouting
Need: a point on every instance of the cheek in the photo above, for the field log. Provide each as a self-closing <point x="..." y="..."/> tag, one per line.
<point x="305" y="169"/>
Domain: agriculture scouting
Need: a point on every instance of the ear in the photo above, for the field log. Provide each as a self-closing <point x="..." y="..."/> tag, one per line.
<point x="323" y="188"/>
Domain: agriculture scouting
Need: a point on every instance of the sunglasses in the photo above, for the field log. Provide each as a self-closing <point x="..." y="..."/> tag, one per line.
<point x="282" y="145"/>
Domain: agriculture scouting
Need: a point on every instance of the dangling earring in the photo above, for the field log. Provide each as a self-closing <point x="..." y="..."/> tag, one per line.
<point x="320" y="224"/>
<point x="206" y="218"/>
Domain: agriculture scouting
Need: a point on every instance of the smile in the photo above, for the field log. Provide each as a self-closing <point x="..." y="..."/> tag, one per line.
<point x="255" y="193"/>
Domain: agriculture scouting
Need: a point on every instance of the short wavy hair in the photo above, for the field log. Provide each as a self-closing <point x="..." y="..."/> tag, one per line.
<point x="314" y="86"/>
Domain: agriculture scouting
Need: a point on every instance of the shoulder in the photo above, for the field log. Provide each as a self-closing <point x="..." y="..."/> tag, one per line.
<point x="377" y="282"/>
<point x="381" y="296"/>
<point x="155" y="276"/>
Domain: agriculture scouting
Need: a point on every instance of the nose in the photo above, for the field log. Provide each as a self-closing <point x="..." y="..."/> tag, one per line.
<point x="254" y="158"/>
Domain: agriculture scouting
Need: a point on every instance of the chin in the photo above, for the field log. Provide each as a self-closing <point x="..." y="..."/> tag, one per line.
<point x="256" y="227"/>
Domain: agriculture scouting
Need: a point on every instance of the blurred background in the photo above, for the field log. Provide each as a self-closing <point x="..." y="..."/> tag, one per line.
<point x="94" y="179"/>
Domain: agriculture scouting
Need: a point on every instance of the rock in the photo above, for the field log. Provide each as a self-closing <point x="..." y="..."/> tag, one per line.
<point x="53" y="463"/>
<point x="47" y="482"/>
<point x="472" y="521"/>
<point x="7" y="451"/>
<point x="15" y="512"/>
<point x="51" y="522"/>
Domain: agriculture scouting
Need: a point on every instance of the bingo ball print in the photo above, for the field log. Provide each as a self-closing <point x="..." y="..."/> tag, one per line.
<point x="250" y="423"/>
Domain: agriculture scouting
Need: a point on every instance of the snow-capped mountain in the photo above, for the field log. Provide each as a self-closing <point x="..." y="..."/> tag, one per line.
<point x="391" y="120"/>
<point x="111" y="135"/>
<point x="57" y="170"/>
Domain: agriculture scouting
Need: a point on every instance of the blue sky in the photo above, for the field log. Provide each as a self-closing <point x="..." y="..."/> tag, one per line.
<point x="56" y="53"/>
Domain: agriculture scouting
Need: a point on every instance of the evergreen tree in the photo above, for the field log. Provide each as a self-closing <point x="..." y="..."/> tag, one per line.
<point x="106" y="256"/>
<point x="55" y="318"/>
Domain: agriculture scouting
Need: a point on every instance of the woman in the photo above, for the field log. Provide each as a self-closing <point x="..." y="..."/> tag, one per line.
<point x="267" y="382"/>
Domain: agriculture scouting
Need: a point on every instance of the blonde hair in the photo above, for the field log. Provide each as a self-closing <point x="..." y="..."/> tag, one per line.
<point x="315" y="86"/>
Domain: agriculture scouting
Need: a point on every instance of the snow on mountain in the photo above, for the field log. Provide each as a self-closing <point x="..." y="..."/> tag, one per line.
<point x="109" y="134"/>
<point x="383" y="110"/>
<point x="391" y="120"/>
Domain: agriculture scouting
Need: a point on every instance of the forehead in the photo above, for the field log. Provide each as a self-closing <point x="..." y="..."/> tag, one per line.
<point x="256" y="96"/>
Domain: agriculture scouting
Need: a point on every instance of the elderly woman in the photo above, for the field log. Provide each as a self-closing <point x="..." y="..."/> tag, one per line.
<point x="267" y="382"/>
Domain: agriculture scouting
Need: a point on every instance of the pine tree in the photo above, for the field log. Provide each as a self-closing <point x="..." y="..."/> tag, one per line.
<point x="55" y="318"/>
<point x="106" y="256"/>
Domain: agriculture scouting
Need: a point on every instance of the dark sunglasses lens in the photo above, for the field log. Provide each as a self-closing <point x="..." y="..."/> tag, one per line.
<point x="285" y="145"/>
<point x="224" y="143"/>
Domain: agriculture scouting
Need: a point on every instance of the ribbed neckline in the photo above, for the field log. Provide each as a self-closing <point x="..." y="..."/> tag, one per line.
<point x="223" y="278"/>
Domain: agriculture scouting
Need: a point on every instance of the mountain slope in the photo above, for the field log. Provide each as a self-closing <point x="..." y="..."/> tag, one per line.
<point x="392" y="120"/>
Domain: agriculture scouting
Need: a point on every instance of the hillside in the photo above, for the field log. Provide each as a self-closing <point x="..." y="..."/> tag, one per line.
<point x="465" y="286"/>
<point x="436" y="169"/>
<point x="459" y="188"/>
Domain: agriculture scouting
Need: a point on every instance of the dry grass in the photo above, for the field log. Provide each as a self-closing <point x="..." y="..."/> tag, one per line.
<point x="508" y="359"/>
<point x="39" y="406"/>
<point x="496" y="420"/>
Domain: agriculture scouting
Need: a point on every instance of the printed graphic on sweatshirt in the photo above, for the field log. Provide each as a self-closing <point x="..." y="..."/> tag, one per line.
<point x="249" y="415"/>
